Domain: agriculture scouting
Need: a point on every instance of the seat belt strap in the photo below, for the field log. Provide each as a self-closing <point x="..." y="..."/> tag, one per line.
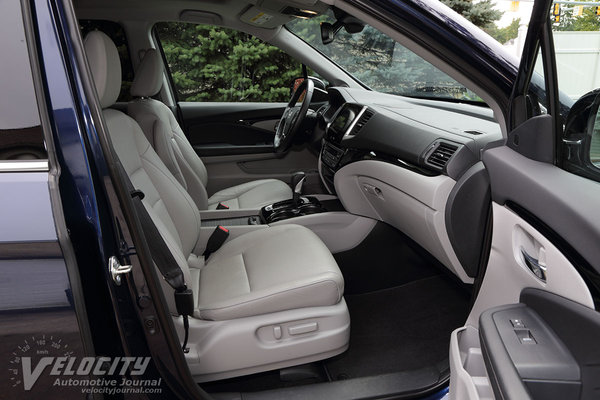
<point x="216" y="240"/>
<point x="163" y="258"/>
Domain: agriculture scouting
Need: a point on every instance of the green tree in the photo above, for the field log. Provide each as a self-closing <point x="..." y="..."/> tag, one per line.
<point x="505" y="34"/>
<point x="481" y="13"/>
<point x="589" y="21"/>
<point x="209" y="63"/>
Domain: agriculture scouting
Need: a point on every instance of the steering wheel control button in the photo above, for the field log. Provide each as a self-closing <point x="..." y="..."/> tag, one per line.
<point x="517" y="324"/>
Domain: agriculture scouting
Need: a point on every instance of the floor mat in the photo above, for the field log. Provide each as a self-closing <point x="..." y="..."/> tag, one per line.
<point x="401" y="328"/>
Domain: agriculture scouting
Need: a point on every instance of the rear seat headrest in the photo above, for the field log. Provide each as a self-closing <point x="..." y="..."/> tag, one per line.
<point x="149" y="75"/>
<point x="103" y="58"/>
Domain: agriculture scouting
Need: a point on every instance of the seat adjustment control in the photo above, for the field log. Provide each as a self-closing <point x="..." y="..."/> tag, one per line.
<point x="303" y="328"/>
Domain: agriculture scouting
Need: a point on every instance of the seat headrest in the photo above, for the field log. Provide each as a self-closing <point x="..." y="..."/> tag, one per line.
<point x="103" y="58"/>
<point x="149" y="75"/>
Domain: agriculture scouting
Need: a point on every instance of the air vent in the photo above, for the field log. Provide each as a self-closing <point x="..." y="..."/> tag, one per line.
<point x="441" y="155"/>
<point x="364" y="118"/>
<point x="474" y="132"/>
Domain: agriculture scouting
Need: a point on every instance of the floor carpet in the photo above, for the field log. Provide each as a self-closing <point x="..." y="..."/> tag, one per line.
<point x="400" y="328"/>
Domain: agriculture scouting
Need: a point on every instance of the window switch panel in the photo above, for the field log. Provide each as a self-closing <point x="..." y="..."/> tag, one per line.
<point x="525" y="336"/>
<point x="517" y="324"/>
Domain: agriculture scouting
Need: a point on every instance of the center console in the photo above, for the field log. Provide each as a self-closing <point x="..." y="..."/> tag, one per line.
<point x="288" y="209"/>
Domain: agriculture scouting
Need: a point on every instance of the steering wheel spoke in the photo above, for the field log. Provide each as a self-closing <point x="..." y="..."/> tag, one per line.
<point x="293" y="116"/>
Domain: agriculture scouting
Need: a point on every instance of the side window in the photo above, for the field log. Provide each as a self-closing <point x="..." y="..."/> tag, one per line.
<point x="213" y="64"/>
<point x="21" y="135"/>
<point x="576" y="37"/>
<point x="114" y="31"/>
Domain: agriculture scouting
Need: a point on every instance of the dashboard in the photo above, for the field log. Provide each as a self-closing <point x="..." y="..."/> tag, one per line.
<point x="413" y="164"/>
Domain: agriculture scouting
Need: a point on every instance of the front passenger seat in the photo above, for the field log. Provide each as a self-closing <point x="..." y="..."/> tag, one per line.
<point x="267" y="299"/>
<point x="165" y="135"/>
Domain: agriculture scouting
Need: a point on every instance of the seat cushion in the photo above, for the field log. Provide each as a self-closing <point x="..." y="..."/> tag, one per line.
<point x="268" y="270"/>
<point x="255" y="194"/>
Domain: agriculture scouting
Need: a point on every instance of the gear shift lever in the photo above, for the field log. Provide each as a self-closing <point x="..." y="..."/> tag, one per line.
<point x="297" y="182"/>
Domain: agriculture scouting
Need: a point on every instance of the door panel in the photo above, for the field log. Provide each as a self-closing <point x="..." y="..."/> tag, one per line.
<point x="230" y="128"/>
<point x="235" y="141"/>
<point x="226" y="171"/>
<point x="541" y="287"/>
<point x="507" y="273"/>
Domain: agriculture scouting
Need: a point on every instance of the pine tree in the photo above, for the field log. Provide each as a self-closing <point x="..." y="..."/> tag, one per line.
<point x="209" y="63"/>
<point x="481" y="13"/>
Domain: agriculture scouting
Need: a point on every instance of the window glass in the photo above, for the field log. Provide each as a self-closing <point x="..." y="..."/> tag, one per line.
<point x="211" y="64"/>
<point x="381" y="63"/>
<point x="576" y="36"/>
<point x="114" y="31"/>
<point x="21" y="135"/>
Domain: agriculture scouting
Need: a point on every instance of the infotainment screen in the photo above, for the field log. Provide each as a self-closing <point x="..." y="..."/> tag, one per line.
<point x="342" y="121"/>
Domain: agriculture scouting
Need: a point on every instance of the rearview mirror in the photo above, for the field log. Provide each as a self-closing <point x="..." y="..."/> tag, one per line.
<point x="329" y="31"/>
<point x="350" y="24"/>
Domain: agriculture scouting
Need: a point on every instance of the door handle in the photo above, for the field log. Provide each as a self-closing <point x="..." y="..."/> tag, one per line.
<point x="534" y="265"/>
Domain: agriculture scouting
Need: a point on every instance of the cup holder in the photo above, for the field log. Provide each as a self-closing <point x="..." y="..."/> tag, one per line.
<point x="309" y="209"/>
<point x="285" y="210"/>
<point x="281" y="215"/>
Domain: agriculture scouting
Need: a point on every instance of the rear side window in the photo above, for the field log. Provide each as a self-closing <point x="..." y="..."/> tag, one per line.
<point x="21" y="135"/>
<point x="116" y="32"/>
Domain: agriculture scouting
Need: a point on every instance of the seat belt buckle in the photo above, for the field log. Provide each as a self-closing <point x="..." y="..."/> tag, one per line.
<point x="216" y="240"/>
<point x="222" y="206"/>
<point x="184" y="302"/>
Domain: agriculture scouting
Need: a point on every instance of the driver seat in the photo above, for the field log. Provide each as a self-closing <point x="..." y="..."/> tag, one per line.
<point x="168" y="140"/>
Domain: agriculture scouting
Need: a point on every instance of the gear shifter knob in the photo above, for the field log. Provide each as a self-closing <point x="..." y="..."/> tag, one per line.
<point x="297" y="182"/>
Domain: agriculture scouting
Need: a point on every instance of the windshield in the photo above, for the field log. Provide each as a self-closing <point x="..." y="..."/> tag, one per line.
<point x="380" y="63"/>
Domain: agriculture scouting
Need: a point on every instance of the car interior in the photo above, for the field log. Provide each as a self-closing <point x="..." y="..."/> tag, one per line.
<point x="361" y="225"/>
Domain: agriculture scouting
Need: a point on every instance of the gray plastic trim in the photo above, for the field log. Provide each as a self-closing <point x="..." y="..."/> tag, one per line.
<point x="507" y="274"/>
<point x="411" y="202"/>
<point x="224" y="349"/>
<point x="340" y="231"/>
<point x="468" y="376"/>
<point x="567" y="203"/>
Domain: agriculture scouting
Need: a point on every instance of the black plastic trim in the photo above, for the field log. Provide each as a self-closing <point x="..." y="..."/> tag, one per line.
<point x="206" y="150"/>
<point x="579" y="329"/>
<point x="467" y="211"/>
<point x="534" y="139"/>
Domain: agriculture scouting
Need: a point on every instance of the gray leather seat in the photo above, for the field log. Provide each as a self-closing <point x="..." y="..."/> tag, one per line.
<point x="276" y="291"/>
<point x="165" y="135"/>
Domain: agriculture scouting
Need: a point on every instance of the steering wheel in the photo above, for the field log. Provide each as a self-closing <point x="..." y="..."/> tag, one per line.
<point x="293" y="116"/>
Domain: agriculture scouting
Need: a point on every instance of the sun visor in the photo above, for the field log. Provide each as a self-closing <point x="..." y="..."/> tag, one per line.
<point x="200" y="17"/>
<point x="264" y="18"/>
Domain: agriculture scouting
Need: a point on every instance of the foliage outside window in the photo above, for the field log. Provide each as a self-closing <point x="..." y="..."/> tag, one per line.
<point x="209" y="63"/>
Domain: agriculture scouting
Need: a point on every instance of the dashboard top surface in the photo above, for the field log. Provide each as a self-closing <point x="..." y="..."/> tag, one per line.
<point x="411" y="129"/>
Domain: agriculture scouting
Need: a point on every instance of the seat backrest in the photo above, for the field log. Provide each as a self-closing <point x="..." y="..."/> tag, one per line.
<point x="163" y="131"/>
<point x="171" y="208"/>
